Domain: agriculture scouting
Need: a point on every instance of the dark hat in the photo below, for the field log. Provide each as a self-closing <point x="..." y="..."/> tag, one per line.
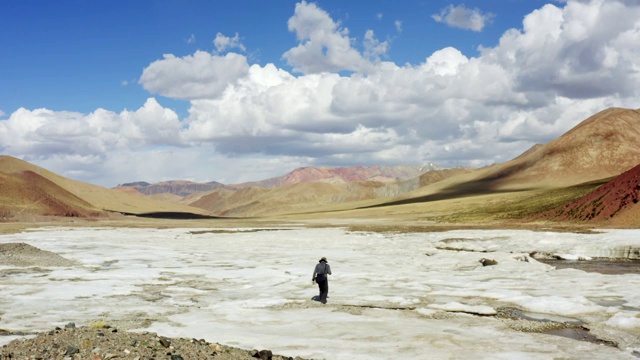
<point x="323" y="259"/>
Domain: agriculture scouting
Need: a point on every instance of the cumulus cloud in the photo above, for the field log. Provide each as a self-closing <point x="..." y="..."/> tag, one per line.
<point x="44" y="133"/>
<point x="201" y="75"/>
<point x="463" y="18"/>
<point x="224" y="43"/>
<point x="324" y="45"/>
<point x="564" y="64"/>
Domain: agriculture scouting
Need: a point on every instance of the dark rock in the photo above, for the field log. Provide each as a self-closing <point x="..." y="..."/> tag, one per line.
<point x="176" y="357"/>
<point x="100" y="334"/>
<point x="114" y="330"/>
<point x="165" y="342"/>
<point x="263" y="354"/>
<point x="70" y="326"/>
<point x="71" y="350"/>
<point x="488" y="262"/>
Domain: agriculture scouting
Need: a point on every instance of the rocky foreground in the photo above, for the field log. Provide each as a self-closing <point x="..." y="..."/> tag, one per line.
<point x="102" y="342"/>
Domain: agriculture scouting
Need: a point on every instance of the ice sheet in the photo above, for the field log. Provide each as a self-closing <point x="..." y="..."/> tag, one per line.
<point x="390" y="296"/>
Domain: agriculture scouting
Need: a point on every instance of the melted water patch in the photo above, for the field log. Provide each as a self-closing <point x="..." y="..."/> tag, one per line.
<point x="602" y="266"/>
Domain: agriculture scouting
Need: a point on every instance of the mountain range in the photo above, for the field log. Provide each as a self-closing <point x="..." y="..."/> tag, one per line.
<point x="597" y="150"/>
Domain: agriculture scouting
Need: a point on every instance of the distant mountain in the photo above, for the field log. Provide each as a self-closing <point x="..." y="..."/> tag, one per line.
<point x="343" y="175"/>
<point x="611" y="199"/>
<point x="301" y="197"/>
<point x="306" y="196"/>
<point x="178" y="187"/>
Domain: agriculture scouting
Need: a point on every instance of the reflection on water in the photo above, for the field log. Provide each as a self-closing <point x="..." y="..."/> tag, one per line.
<point x="611" y="267"/>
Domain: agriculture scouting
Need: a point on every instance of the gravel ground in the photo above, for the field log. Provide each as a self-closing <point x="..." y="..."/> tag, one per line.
<point x="102" y="342"/>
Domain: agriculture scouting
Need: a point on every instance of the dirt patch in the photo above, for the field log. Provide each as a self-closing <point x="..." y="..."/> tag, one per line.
<point x="21" y="254"/>
<point x="605" y="202"/>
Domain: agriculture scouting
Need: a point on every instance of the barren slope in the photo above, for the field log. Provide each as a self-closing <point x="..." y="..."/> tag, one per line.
<point x="97" y="197"/>
<point x="617" y="196"/>
<point x="29" y="193"/>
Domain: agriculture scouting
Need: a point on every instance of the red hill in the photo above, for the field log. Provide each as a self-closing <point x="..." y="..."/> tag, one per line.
<point x="617" y="196"/>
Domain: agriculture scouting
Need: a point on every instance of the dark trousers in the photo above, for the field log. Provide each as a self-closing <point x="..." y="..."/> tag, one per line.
<point x="324" y="290"/>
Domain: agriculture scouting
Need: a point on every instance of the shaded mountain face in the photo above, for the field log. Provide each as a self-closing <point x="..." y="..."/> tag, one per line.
<point x="617" y="196"/>
<point x="178" y="187"/>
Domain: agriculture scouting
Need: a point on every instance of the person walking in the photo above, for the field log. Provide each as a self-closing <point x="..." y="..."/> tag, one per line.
<point x="320" y="276"/>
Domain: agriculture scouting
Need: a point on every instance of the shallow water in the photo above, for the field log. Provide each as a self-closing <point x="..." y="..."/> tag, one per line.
<point x="609" y="267"/>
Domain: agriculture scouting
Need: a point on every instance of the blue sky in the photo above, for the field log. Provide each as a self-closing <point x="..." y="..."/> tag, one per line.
<point x="116" y="91"/>
<point x="75" y="55"/>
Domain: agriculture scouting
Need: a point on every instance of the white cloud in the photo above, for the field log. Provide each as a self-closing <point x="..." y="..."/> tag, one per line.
<point x="398" y="25"/>
<point x="563" y="65"/>
<point x="2" y="113"/>
<point x="324" y="45"/>
<point x="463" y="18"/>
<point x="373" y="48"/>
<point x="191" y="39"/>
<point x="224" y="43"/>
<point x="379" y="16"/>
<point x="201" y="75"/>
<point x="44" y="133"/>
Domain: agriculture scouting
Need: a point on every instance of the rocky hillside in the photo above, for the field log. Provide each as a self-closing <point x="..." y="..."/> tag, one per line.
<point x="617" y="196"/>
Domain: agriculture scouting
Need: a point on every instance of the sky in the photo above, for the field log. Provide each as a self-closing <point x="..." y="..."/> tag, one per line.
<point x="109" y="92"/>
<point x="391" y="296"/>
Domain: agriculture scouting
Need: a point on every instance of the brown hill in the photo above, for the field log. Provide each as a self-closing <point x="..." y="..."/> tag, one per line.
<point x="615" y="197"/>
<point x="27" y="188"/>
<point x="29" y="193"/>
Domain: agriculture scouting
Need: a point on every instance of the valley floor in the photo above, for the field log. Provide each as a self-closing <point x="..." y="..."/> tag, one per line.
<point x="391" y="294"/>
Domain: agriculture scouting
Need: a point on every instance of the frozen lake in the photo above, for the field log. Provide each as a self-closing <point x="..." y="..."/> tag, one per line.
<point x="423" y="295"/>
